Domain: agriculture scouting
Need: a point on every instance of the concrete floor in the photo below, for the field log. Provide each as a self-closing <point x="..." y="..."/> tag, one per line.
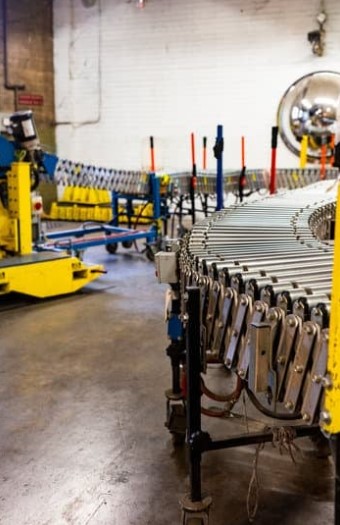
<point x="82" y="410"/>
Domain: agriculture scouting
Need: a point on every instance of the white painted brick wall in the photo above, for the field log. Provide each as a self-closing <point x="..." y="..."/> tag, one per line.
<point x="177" y="66"/>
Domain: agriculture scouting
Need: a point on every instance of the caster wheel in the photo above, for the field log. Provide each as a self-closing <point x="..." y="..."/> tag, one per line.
<point x="150" y="254"/>
<point x="127" y="244"/>
<point x="111" y="248"/>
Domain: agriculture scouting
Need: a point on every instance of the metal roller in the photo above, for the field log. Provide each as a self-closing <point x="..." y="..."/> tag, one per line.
<point x="264" y="269"/>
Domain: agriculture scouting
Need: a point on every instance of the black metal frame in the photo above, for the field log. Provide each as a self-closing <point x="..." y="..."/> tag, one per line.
<point x="335" y="446"/>
<point x="199" y="441"/>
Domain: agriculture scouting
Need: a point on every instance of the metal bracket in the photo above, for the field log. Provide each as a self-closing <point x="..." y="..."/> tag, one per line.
<point x="238" y="329"/>
<point x="291" y="330"/>
<point x="310" y="333"/>
<point x="260" y="343"/>
<point x="275" y="317"/>
<point x="259" y="311"/>
<point x="214" y="294"/>
<point x="228" y="301"/>
<point x="316" y="380"/>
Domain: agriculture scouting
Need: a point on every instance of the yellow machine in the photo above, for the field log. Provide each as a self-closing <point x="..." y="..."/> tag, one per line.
<point x="42" y="273"/>
<point x="27" y="266"/>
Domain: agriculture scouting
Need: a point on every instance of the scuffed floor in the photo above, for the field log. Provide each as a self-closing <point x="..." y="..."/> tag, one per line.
<point x="82" y="410"/>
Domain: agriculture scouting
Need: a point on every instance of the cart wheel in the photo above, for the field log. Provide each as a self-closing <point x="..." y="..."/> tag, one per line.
<point x="112" y="248"/>
<point x="127" y="244"/>
<point x="150" y="254"/>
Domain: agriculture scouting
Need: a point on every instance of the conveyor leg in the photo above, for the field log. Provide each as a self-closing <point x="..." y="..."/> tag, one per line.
<point x="195" y="507"/>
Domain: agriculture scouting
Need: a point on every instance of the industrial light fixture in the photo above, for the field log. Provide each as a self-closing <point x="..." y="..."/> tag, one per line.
<point x="317" y="37"/>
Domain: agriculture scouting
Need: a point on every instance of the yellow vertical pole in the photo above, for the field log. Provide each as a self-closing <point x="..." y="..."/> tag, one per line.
<point x="330" y="417"/>
<point x="19" y="204"/>
<point x="331" y="414"/>
<point x="303" y="151"/>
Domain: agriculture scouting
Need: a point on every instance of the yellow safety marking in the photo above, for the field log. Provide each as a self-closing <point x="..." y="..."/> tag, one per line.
<point x="331" y="424"/>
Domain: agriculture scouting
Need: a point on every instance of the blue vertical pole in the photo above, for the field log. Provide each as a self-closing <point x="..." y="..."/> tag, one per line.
<point x="219" y="178"/>
<point x="115" y="208"/>
<point x="156" y="196"/>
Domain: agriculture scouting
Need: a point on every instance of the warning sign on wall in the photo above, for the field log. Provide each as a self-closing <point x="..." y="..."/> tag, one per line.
<point x="28" y="99"/>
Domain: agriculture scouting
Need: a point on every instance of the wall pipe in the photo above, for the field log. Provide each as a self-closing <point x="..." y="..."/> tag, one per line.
<point x="7" y="85"/>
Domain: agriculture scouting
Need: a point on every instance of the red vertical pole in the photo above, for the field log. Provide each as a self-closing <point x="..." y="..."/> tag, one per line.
<point x="204" y="153"/>
<point x="323" y="161"/>
<point x="193" y="154"/>
<point x="243" y="153"/>
<point x="152" y="153"/>
<point x="272" y="184"/>
<point x="332" y="146"/>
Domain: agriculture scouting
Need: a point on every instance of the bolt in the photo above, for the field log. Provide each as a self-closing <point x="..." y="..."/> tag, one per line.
<point x="272" y="316"/>
<point x="289" y="405"/>
<point x="234" y="333"/>
<point x="243" y="301"/>
<point x="242" y="373"/>
<point x="316" y="378"/>
<point x="220" y="324"/>
<point x="325" y="417"/>
<point x="306" y="417"/>
<point x="298" y="369"/>
<point x="308" y="329"/>
<point x="281" y="360"/>
<point x="291" y="321"/>
<point x="326" y="382"/>
<point x="228" y="362"/>
<point x="209" y="317"/>
<point x="227" y="295"/>
<point x="259" y="308"/>
<point x="185" y="318"/>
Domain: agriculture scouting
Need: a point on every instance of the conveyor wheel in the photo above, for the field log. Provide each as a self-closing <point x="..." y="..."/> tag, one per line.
<point x="127" y="244"/>
<point x="112" y="248"/>
<point x="176" y="422"/>
<point x="149" y="252"/>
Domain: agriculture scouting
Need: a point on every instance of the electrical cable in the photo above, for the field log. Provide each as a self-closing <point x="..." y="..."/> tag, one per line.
<point x="266" y="411"/>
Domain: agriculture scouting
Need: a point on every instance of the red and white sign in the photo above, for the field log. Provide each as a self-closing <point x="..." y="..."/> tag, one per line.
<point x="28" y="99"/>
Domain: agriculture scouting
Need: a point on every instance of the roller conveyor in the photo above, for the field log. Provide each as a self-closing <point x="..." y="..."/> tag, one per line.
<point x="253" y="294"/>
<point x="69" y="173"/>
<point x="263" y="267"/>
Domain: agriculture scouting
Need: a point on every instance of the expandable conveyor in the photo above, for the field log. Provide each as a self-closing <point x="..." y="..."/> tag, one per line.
<point x="264" y="272"/>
